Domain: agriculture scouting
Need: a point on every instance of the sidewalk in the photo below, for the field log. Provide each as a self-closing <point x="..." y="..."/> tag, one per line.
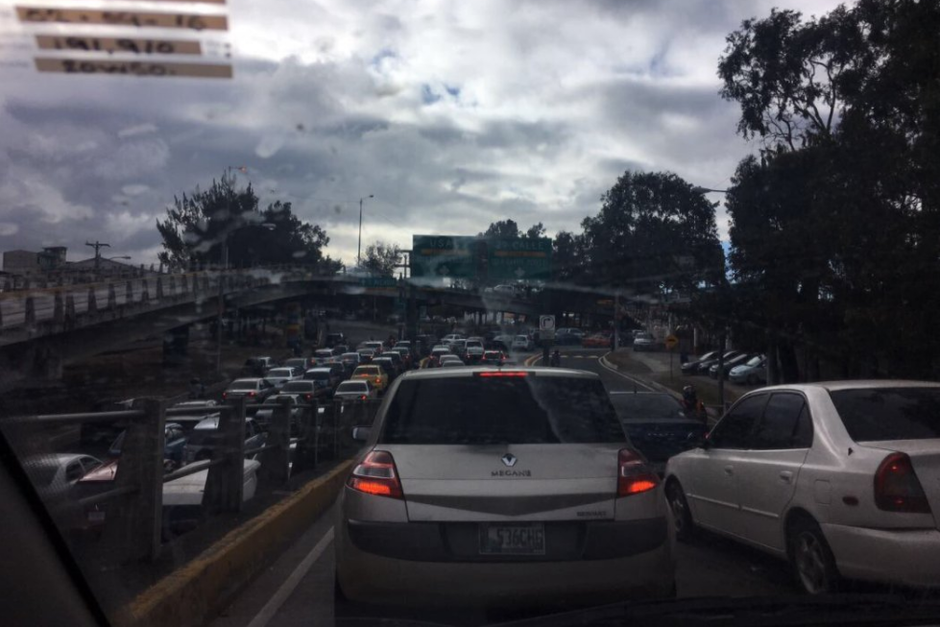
<point x="653" y="367"/>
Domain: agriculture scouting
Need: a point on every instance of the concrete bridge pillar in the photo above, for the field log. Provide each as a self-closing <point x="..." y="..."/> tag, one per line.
<point x="40" y="360"/>
<point x="185" y="283"/>
<point x="128" y="293"/>
<point x="69" y="311"/>
<point x="58" y="310"/>
<point x="30" y="311"/>
<point x="112" y="297"/>
<point x="92" y="301"/>
<point x="144" y="292"/>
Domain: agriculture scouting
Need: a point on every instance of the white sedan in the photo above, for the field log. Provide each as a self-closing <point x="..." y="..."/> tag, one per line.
<point x="842" y="479"/>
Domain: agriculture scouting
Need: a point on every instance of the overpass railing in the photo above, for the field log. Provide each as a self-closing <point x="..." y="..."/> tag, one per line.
<point x="55" y="309"/>
<point x="129" y="508"/>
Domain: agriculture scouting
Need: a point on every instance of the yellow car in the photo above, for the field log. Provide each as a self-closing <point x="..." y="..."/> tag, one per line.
<point x="374" y="375"/>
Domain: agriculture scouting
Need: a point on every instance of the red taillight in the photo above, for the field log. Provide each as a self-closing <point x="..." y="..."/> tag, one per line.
<point x="308" y="397"/>
<point x="378" y="380"/>
<point x="897" y="488"/>
<point x="633" y="475"/>
<point x="501" y="373"/>
<point x="362" y="398"/>
<point x="376" y="475"/>
<point x="224" y="394"/>
<point x="251" y="393"/>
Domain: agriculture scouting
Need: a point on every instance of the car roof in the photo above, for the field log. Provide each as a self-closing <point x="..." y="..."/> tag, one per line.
<point x="834" y="386"/>
<point x="469" y="371"/>
<point x="319" y="369"/>
<point x="252" y="380"/>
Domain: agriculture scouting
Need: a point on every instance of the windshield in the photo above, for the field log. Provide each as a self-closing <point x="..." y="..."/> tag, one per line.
<point x="679" y="204"/>
<point x="889" y="414"/>
<point x="530" y="410"/>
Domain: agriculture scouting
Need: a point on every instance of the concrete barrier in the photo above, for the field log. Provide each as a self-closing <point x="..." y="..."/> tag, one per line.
<point x="206" y="585"/>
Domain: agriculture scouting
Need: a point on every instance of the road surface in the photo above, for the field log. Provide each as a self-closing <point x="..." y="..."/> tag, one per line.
<point x="298" y="588"/>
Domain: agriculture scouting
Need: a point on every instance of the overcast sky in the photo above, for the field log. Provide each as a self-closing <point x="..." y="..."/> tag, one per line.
<point x="453" y="114"/>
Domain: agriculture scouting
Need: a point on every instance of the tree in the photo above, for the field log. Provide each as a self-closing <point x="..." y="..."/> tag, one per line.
<point x="200" y="223"/>
<point x="381" y="258"/>
<point x="835" y="228"/>
<point x="654" y="232"/>
<point x="508" y="229"/>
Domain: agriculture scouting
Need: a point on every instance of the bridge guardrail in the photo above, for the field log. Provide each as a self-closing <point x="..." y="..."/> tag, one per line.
<point x="122" y="520"/>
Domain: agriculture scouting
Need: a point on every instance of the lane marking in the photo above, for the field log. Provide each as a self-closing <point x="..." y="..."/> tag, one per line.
<point x="290" y="584"/>
<point x="602" y="360"/>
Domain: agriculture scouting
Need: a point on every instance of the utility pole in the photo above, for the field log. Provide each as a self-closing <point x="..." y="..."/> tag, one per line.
<point x="359" y="248"/>
<point x="97" y="246"/>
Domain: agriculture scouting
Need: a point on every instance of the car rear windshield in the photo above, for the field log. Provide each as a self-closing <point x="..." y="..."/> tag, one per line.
<point x="297" y="386"/>
<point x="872" y="415"/>
<point x="353" y="386"/>
<point x="505" y="410"/>
<point x="317" y="374"/>
<point x="243" y="385"/>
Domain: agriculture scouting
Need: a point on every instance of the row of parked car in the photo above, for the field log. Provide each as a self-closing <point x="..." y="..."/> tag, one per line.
<point x="739" y="367"/>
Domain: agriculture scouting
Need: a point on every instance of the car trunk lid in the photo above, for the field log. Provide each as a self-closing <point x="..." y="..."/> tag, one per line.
<point x="549" y="482"/>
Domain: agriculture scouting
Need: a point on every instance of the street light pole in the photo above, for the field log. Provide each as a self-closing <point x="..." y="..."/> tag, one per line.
<point x="359" y="248"/>
<point x="97" y="246"/>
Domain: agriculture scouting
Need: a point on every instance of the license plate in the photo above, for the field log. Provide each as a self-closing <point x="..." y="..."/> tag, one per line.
<point x="518" y="539"/>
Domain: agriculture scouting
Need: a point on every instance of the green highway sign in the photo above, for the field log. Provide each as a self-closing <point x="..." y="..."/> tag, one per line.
<point x="519" y="259"/>
<point x="444" y="256"/>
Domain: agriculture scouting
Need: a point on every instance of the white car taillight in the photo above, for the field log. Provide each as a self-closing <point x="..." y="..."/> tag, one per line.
<point x="633" y="475"/>
<point x="897" y="488"/>
<point x="376" y="475"/>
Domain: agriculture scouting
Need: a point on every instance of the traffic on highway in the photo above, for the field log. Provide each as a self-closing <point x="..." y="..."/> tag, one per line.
<point x="483" y="313"/>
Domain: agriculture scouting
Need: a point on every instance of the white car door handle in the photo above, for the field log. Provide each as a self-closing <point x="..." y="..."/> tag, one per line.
<point x="786" y="475"/>
<point x="729" y="470"/>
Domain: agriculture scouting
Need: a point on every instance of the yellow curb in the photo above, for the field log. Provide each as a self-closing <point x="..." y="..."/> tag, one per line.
<point x="204" y="586"/>
<point x="531" y="360"/>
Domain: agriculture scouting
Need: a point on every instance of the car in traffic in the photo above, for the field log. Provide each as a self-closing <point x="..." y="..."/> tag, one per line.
<point x="493" y="358"/>
<point x="258" y="366"/>
<point x="388" y="366"/>
<point x="691" y="366"/>
<point x="322" y="356"/>
<point x="406" y="355"/>
<point x="838" y="478"/>
<point x="307" y="389"/>
<point x="434" y="359"/>
<point x="377" y="347"/>
<point x="596" y="340"/>
<point x="450" y="358"/>
<point x="459" y="348"/>
<point x="174" y="441"/>
<point x="644" y="342"/>
<point x="452" y="337"/>
<point x="365" y="355"/>
<point x="354" y="390"/>
<point x="751" y="372"/>
<point x="454" y="363"/>
<point x="374" y="375"/>
<point x="183" y="498"/>
<point x="395" y="356"/>
<point x="474" y="350"/>
<point x="531" y="491"/>
<point x="657" y="424"/>
<point x="301" y="363"/>
<point x="53" y="475"/>
<point x="293" y="401"/>
<point x="252" y="390"/>
<point x="522" y="343"/>
<point x="205" y="439"/>
<point x="326" y="377"/>
<point x="279" y="376"/>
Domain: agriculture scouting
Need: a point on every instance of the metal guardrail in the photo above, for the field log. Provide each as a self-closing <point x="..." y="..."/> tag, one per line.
<point x="61" y="308"/>
<point x="133" y="503"/>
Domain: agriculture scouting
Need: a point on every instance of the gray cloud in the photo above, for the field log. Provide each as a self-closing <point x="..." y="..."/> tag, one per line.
<point x="452" y="118"/>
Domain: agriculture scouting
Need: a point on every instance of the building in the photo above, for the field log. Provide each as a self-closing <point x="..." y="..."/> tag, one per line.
<point x="28" y="263"/>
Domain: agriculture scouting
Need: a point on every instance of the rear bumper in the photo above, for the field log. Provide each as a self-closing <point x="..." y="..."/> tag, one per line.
<point x="390" y="564"/>
<point x="909" y="557"/>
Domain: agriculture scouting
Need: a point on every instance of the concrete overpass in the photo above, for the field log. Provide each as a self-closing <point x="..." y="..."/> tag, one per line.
<point x="43" y="329"/>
